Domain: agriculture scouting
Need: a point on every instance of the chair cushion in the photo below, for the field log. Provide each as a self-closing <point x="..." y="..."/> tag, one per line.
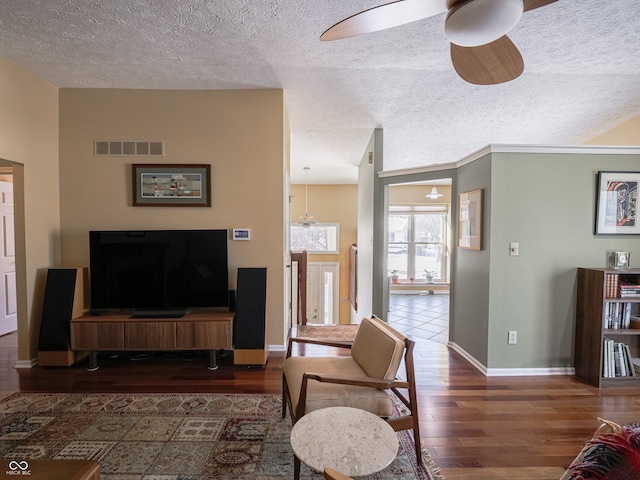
<point x="378" y="348"/>
<point x="322" y="394"/>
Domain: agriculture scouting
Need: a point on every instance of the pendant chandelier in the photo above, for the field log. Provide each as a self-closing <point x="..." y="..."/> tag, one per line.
<point x="434" y="193"/>
<point x="306" y="220"/>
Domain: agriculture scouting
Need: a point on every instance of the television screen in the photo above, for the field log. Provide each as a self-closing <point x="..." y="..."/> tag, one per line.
<point x="158" y="270"/>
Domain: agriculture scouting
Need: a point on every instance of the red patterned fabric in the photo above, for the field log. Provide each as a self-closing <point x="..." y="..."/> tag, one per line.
<point x="610" y="456"/>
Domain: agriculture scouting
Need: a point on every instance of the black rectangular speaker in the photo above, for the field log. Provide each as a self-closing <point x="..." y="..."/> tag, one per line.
<point x="57" y="309"/>
<point x="232" y="300"/>
<point x="251" y="308"/>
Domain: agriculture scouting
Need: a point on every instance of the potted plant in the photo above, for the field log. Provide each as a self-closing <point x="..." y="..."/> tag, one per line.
<point x="394" y="276"/>
<point x="428" y="275"/>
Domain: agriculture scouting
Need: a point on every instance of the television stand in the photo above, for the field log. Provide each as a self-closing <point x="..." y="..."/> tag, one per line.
<point x="159" y="313"/>
<point x="196" y="330"/>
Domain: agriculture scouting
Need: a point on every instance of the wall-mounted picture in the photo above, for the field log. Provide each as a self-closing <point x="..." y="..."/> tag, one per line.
<point x="171" y="185"/>
<point x="617" y="203"/>
<point x="470" y="220"/>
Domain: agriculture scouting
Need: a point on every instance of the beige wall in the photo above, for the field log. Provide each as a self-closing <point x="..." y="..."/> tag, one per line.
<point x="29" y="144"/>
<point x="332" y="204"/>
<point x="239" y="133"/>
<point x="415" y="195"/>
<point x="627" y="133"/>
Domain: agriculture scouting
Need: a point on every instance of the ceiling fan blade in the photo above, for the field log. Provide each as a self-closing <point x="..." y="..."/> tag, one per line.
<point x="532" y="4"/>
<point x="384" y="16"/>
<point x="490" y="64"/>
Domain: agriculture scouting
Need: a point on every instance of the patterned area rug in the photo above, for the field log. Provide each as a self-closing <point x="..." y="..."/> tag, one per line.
<point x="167" y="436"/>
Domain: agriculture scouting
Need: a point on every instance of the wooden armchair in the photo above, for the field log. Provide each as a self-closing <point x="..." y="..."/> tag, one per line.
<point x="331" y="474"/>
<point x="365" y="379"/>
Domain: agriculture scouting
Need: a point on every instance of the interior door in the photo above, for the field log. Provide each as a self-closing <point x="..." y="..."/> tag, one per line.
<point x="323" y="292"/>
<point x="8" y="307"/>
<point x="313" y="293"/>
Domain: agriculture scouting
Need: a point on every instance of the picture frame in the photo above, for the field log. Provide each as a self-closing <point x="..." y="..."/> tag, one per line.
<point x="171" y="185"/>
<point x="470" y="220"/>
<point x="617" y="203"/>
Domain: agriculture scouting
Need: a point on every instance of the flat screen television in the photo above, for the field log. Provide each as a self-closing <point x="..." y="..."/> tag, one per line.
<point x="158" y="273"/>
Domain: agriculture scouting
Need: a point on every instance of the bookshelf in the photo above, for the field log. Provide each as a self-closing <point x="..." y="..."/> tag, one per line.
<point x="607" y="335"/>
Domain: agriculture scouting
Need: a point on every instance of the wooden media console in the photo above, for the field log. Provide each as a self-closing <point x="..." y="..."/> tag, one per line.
<point x="197" y="330"/>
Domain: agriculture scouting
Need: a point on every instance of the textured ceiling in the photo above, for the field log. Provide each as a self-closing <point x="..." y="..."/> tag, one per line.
<point x="581" y="78"/>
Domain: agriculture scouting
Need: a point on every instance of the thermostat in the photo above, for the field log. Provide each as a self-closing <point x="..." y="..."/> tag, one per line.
<point x="241" y="233"/>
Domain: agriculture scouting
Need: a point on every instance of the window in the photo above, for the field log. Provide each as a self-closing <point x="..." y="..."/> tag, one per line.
<point x="417" y="241"/>
<point x="318" y="238"/>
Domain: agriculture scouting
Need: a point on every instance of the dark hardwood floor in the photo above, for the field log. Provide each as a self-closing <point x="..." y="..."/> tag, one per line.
<point x="474" y="427"/>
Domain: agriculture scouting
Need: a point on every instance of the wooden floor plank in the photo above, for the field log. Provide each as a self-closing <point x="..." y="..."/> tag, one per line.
<point x="475" y="427"/>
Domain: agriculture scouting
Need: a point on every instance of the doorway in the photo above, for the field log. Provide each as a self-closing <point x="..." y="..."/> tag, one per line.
<point x="419" y="222"/>
<point x="8" y="296"/>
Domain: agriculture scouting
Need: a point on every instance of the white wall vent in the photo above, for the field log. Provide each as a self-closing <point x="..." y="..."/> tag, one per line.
<point x="119" y="149"/>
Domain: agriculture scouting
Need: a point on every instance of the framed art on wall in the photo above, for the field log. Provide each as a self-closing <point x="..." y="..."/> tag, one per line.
<point x="171" y="185"/>
<point x="617" y="203"/>
<point x="470" y="220"/>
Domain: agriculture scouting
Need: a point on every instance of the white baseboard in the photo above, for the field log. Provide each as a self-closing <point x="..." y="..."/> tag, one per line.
<point x="419" y="292"/>
<point x="469" y="358"/>
<point x="277" y="348"/>
<point x="530" y="372"/>
<point x="26" y="363"/>
<point x="510" y="372"/>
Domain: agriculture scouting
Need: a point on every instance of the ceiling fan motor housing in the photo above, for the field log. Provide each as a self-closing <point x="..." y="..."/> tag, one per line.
<point x="471" y="23"/>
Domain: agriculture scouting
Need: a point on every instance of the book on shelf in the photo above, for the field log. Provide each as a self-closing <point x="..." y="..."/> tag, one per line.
<point x="629" y="294"/>
<point x="628" y="286"/>
<point x="617" y="360"/>
<point x="635" y="362"/>
<point x="617" y="315"/>
<point x="611" y="285"/>
<point x="630" y="367"/>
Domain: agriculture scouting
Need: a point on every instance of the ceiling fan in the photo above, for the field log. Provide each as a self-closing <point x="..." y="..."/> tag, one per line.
<point x="481" y="53"/>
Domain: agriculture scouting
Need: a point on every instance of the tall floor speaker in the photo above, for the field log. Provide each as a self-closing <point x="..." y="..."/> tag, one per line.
<point x="250" y="321"/>
<point x="65" y="297"/>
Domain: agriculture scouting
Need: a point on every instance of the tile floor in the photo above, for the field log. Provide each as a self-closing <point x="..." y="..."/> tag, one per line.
<point x="423" y="317"/>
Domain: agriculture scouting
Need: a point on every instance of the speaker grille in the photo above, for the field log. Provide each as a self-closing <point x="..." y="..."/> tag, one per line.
<point x="110" y="148"/>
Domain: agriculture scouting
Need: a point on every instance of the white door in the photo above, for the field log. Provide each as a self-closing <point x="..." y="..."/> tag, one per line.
<point x="313" y="293"/>
<point x="322" y="292"/>
<point x="8" y="307"/>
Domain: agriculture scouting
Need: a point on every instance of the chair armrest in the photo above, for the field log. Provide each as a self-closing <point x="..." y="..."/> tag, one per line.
<point x="317" y="341"/>
<point x="358" y="382"/>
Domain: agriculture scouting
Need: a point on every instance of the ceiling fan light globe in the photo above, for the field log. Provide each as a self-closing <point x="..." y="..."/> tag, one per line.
<point x="479" y="22"/>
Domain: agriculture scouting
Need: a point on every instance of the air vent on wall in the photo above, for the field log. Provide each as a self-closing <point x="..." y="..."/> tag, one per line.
<point x="111" y="148"/>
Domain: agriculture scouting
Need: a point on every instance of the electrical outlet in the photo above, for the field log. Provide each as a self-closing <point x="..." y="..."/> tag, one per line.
<point x="514" y="249"/>
<point x="512" y="338"/>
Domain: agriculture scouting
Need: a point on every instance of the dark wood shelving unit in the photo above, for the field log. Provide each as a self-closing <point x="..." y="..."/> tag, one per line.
<point x="593" y="295"/>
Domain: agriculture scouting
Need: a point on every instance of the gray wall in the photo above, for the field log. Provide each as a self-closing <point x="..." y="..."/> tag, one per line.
<point x="546" y="202"/>
<point x="469" y="322"/>
<point x="366" y="187"/>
